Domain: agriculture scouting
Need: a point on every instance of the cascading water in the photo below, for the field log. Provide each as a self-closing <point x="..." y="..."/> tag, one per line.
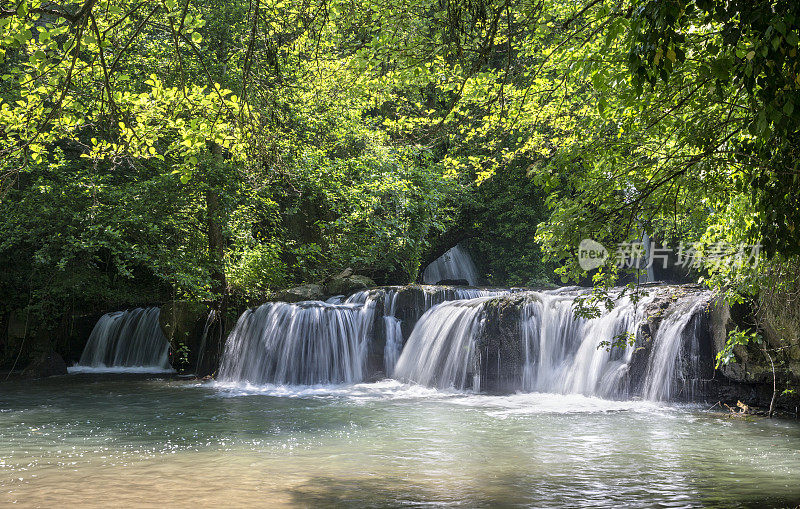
<point x="394" y="334"/>
<point x="436" y="295"/>
<point x="318" y="342"/>
<point x="569" y="354"/>
<point x="453" y="265"/>
<point x="668" y="369"/>
<point x="554" y="350"/>
<point x="441" y="350"/>
<point x="562" y="352"/>
<point x="303" y="344"/>
<point x="127" y="339"/>
<point x="210" y="319"/>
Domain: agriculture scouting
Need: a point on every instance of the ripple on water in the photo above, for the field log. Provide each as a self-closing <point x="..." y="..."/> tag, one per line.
<point x="137" y="441"/>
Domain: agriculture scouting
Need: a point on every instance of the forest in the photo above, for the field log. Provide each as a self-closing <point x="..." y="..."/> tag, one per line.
<point x="219" y="151"/>
<point x="471" y="253"/>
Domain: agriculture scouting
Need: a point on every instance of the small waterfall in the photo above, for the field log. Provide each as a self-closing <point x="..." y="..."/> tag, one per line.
<point x="394" y="334"/>
<point x="304" y="343"/>
<point x="394" y="344"/>
<point x="567" y="354"/>
<point x="531" y="341"/>
<point x="127" y="339"/>
<point x="454" y="264"/>
<point x="441" y="350"/>
<point x="436" y="295"/>
<point x="669" y="369"/>
<point x="649" y="273"/>
<point x="561" y="352"/>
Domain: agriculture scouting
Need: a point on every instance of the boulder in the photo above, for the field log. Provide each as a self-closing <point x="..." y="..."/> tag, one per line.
<point x="346" y="283"/>
<point x="343" y="274"/>
<point x="47" y="364"/>
<point x="308" y="291"/>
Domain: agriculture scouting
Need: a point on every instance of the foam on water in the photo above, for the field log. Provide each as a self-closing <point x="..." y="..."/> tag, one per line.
<point x="519" y="404"/>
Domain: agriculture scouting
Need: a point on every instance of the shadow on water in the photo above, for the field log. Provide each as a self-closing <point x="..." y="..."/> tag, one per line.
<point x="512" y="490"/>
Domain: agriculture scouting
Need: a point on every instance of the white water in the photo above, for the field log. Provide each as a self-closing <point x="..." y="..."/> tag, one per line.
<point x="312" y="343"/>
<point x="454" y="264"/>
<point x="439" y="352"/>
<point x="563" y="353"/>
<point x="304" y="343"/>
<point x="667" y="366"/>
<point x="210" y="319"/>
<point x="567" y="354"/>
<point x="126" y="341"/>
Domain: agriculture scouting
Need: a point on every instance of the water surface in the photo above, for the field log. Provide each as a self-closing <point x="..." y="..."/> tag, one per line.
<point x="138" y="439"/>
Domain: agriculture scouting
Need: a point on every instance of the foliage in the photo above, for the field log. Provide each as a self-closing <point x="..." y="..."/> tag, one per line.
<point x="207" y="150"/>
<point x="736" y="338"/>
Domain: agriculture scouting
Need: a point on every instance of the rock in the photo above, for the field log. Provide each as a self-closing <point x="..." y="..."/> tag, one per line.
<point x="47" y="364"/>
<point x="348" y="284"/>
<point x="453" y="282"/>
<point x="344" y="274"/>
<point x="308" y="291"/>
<point x="181" y="322"/>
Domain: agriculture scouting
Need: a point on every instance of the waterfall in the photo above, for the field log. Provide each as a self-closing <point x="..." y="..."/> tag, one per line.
<point x="564" y="353"/>
<point x="210" y="319"/>
<point x="649" y="272"/>
<point x="394" y="334"/>
<point x="302" y="343"/>
<point x="669" y="370"/>
<point x="568" y="354"/>
<point x="441" y="350"/>
<point x="452" y="265"/>
<point x="436" y="295"/>
<point x="127" y="339"/>
<point x="531" y="341"/>
<point x="561" y="351"/>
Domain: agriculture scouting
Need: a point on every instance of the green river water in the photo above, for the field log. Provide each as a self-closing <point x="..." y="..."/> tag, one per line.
<point x="152" y="440"/>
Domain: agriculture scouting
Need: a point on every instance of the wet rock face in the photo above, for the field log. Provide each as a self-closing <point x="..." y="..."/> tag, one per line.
<point x="453" y="282"/>
<point x="182" y="325"/>
<point x="499" y="346"/>
<point x="410" y="307"/>
<point x="750" y="378"/>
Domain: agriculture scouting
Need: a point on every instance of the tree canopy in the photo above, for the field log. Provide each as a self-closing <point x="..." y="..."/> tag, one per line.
<point x="155" y="149"/>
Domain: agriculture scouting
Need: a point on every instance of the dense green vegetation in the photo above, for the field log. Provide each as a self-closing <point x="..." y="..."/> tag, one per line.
<point x="197" y="150"/>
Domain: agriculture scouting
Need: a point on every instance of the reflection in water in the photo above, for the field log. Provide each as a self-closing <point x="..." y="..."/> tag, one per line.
<point x="87" y="440"/>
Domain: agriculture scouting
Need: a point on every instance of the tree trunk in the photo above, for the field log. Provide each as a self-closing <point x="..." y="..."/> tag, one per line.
<point x="214" y="213"/>
<point x="216" y="252"/>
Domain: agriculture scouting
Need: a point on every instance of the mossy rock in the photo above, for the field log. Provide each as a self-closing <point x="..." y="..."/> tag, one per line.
<point x="348" y="284"/>
<point x="308" y="291"/>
